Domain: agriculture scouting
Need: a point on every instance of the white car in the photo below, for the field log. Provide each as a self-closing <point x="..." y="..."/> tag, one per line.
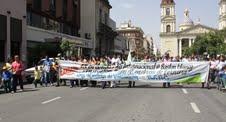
<point x="29" y="73"/>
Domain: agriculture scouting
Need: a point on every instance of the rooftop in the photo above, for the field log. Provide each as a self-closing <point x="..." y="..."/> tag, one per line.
<point x="167" y="2"/>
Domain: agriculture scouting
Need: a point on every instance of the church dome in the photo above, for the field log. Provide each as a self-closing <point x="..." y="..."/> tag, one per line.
<point x="188" y="22"/>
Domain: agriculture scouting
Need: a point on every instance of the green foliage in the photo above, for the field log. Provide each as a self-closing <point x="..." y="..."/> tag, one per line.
<point x="65" y="47"/>
<point x="213" y="43"/>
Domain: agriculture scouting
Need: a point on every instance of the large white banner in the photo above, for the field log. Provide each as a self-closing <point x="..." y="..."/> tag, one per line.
<point x="179" y="72"/>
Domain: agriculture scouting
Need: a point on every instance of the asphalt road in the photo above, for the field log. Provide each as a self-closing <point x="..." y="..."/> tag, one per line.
<point x="140" y="104"/>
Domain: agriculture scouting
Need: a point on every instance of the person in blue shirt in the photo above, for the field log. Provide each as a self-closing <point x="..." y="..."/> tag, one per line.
<point x="6" y="78"/>
<point x="46" y="69"/>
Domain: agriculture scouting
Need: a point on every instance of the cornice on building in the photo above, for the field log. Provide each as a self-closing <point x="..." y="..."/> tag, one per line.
<point x="222" y="1"/>
<point x="107" y="3"/>
<point x="167" y="2"/>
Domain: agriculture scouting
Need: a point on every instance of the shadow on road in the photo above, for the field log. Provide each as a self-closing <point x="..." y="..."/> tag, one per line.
<point x="19" y="91"/>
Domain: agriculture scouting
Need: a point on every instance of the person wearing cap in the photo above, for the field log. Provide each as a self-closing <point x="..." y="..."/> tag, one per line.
<point x="8" y="64"/>
<point x="6" y="78"/>
<point x="17" y="68"/>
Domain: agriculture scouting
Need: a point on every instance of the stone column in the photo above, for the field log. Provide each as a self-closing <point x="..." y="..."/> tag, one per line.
<point x="23" y="51"/>
<point x="180" y="47"/>
<point x="190" y="42"/>
<point x="8" y="42"/>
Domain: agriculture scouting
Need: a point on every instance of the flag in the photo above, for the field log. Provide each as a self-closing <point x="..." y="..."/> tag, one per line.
<point x="129" y="58"/>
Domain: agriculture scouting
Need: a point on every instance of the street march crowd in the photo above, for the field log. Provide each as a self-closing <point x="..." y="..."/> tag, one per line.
<point x="48" y="73"/>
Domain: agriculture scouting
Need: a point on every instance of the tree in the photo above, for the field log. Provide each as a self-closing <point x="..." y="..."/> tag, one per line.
<point x="213" y="43"/>
<point x="65" y="47"/>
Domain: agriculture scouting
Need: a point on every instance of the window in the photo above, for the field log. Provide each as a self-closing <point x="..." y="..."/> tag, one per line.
<point x="29" y="18"/>
<point x="3" y="24"/>
<point x="100" y="15"/>
<point x="53" y="7"/>
<point x="168" y="28"/>
<point x="16" y="35"/>
<point x="3" y="30"/>
<point x="106" y="18"/>
<point x="167" y="11"/>
<point x="2" y="50"/>
<point x="64" y="9"/>
<point x="37" y="4"/>
<point x="128" y="45"/>
<point x="76" y="12"/>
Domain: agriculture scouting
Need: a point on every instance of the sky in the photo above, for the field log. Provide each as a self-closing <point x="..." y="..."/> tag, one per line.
<point x="146" y="13"/>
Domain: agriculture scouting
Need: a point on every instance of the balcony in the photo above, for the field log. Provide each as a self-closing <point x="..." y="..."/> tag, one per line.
<point x="106" y="31"/>
<point x="46" y="21"/>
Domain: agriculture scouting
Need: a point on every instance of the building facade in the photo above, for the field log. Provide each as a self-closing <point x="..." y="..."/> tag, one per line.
<point x="55" y="15"/>
<point x="120" y="45"/>
<point x="222" y="14"/>
<point x="97" y="25"/>
<point x="148" y="45"/>
<point x="135" y="37"/>
<point x="54" y="21"/>
<point x="175" y="42"/>
<point x="13" y="29"/>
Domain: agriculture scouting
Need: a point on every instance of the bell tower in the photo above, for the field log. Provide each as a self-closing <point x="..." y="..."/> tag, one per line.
<point x="222" y="14"/>
<point x="168" y="16"/>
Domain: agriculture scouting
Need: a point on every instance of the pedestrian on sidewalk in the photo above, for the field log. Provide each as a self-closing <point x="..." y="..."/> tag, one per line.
<point x="17" y="68"/>
<point x="6" y="79"/>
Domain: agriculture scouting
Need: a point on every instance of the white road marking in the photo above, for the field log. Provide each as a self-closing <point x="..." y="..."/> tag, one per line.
<point x="185" y="91"/>
<point x="48" y="101"/>
<point x="84" y="88"/>
<point x="195" y="108"/>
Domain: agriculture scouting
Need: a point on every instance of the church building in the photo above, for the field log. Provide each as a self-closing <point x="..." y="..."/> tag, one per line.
<point x="175" y="42"/>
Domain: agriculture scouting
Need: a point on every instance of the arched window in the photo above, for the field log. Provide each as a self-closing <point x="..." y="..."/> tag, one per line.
<point x="167" y="11"/>
<point x="168" y="28"/>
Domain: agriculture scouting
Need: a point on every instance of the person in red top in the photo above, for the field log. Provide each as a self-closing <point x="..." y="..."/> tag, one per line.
<point x="17" y="68"/>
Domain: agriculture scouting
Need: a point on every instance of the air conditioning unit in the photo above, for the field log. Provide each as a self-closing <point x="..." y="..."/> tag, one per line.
<point x="87" y="35"/>
<point x="75" y="2"/>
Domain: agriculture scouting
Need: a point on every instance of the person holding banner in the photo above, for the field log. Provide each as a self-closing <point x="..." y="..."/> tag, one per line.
<point x="167" y="60"/>
<point x="93" y="61"/>
<point x="222" y="75"/>
<point x="114" y="63"/>
<point x="103" y="63"/>
<point x="131" y="58"/>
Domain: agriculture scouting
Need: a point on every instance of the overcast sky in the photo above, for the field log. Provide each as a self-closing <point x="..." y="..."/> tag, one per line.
<point x="146" y="13"/>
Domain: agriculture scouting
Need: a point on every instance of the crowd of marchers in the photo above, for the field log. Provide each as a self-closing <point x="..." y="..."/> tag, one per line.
<point x="47" y="74"/>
